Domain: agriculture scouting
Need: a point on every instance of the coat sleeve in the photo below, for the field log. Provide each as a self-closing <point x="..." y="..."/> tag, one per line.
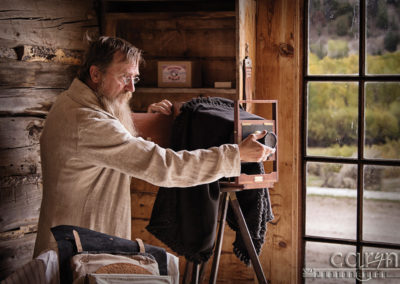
<point x="105" y="142"/>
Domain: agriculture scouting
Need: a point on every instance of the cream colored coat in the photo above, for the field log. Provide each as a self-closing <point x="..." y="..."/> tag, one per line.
<point x="88" y="158"/>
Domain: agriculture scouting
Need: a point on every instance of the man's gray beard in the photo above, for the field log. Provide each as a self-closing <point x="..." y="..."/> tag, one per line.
<point x="119" y="107"/>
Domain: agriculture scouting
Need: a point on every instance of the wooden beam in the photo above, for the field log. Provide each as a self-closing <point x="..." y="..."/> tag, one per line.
<point x="279" y="26"/>
<point x="20" y="161"/>
<point x="179" y="42"/>
<point x="15" y="253"/>
<point x="138" y="185"/>
<point x="19" y="233"/>
<point x="246" y="41"/>
<point x="19" y="74"/>
<point x="33" y="53"/>
<point x="18" y="132"/>
<point x="20" y="201"/>
<point x="142" y="204"/>
<point x="27" y="101"/>
<point x="203" y="91"/>
<point x="6" y="52"/>
<point x="56" y="24"/>
<point x="171" y="15"/>
<point x="167" y="23"/>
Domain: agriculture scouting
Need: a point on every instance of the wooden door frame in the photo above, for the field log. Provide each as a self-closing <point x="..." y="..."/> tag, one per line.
<point x="279" y="76"/>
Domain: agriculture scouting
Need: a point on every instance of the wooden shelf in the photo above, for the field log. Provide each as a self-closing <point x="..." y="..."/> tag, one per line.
<point x="143" y="90"/>
<point x="143" y="97"/>
<point x="168" y="15"/>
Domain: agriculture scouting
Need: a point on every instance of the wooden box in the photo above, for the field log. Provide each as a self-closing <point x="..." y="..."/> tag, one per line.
<point x="185" y="74"/>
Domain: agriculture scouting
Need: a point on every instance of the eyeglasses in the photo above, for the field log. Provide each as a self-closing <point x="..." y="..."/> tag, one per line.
<point x="129" y="79"/>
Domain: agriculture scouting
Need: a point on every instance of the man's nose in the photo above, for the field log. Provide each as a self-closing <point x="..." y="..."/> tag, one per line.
<point x="130" y="86"/>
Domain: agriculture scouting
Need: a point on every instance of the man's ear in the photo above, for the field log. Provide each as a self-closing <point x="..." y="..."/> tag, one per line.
<point x="95" y="74"/>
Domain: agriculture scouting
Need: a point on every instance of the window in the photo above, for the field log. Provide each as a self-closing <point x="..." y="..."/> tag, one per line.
<point x="351" y="141"/>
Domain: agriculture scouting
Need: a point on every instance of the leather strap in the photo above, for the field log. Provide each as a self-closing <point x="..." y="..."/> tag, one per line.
<point x="80" y="249"/>
<point x="77" y="241"/>
<point x="141" y="245"/>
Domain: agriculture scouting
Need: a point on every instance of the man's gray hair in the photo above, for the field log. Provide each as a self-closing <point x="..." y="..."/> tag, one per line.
<point x="101" y="52"/>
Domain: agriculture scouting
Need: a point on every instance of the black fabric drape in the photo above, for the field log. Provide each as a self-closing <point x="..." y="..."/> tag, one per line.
<point x="185" y="219"/>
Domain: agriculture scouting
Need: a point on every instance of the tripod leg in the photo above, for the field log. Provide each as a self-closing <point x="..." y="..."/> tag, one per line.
<point x="220" y="236"/>
<point x="188" y="271"/>
<point x="195" y="274"/>
<point x="203" y="267"/>
<point x="244" y="231"/>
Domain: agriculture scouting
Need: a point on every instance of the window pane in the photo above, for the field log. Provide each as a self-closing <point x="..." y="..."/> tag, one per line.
<point x="332" y="119"/>
<point x="324" y="263"/>
<point x="333" y="37"/>
<point x="331" y="203"/>
<point x="384" y="261"/>
<point x="381" y="216"/>
<point x="383" y="37"/>
<point x="382" y="121"/>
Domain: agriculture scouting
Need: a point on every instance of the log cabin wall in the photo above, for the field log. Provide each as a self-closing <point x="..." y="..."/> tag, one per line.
<point x="41" y="45"/>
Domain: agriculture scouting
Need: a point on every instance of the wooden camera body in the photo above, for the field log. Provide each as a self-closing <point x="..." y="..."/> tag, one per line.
<point x="243" y="128"/>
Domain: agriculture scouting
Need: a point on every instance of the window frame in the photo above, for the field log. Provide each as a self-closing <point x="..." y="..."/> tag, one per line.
<point x="359" y="161"/>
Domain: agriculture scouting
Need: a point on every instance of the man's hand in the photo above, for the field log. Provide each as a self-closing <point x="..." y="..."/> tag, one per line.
<point x="164" y="107"/>
<point x="253" y="151"/>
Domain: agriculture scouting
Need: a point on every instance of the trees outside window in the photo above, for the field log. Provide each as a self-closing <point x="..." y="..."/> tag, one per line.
<point x="351" y="139"/>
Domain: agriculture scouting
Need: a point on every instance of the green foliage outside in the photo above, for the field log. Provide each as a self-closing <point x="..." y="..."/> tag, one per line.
<point x="337" y="48"/>
<point x="332" y="128"/>
<point x="334" y="151"/>
<point x="328" y="65"/>
<point x="388" y="63"/>
<point x="388" y="150"/>
<point x="333" y="106"/>
<point x="318" y="49"/>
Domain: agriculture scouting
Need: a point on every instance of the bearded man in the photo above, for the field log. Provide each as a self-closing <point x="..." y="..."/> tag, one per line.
<point x="90" y="149"/>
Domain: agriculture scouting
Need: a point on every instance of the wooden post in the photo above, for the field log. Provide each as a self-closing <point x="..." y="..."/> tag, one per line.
<point x="278" y="76"/>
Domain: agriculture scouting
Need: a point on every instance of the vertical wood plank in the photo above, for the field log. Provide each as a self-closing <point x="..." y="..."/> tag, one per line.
<point x="278" y="77"/>
<point x="246" y="40"/>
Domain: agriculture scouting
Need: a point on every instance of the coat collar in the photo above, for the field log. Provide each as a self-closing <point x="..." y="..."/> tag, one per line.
<point x="84" y="95"/>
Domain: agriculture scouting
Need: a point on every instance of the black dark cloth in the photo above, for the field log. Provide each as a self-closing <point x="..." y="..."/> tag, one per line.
<point x="185" y="219"/>
<point x="95" y="242"/>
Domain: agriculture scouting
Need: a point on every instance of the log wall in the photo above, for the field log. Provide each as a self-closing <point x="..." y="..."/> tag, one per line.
<point x="40" y="47"/>
<point x="41" y="44"/>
